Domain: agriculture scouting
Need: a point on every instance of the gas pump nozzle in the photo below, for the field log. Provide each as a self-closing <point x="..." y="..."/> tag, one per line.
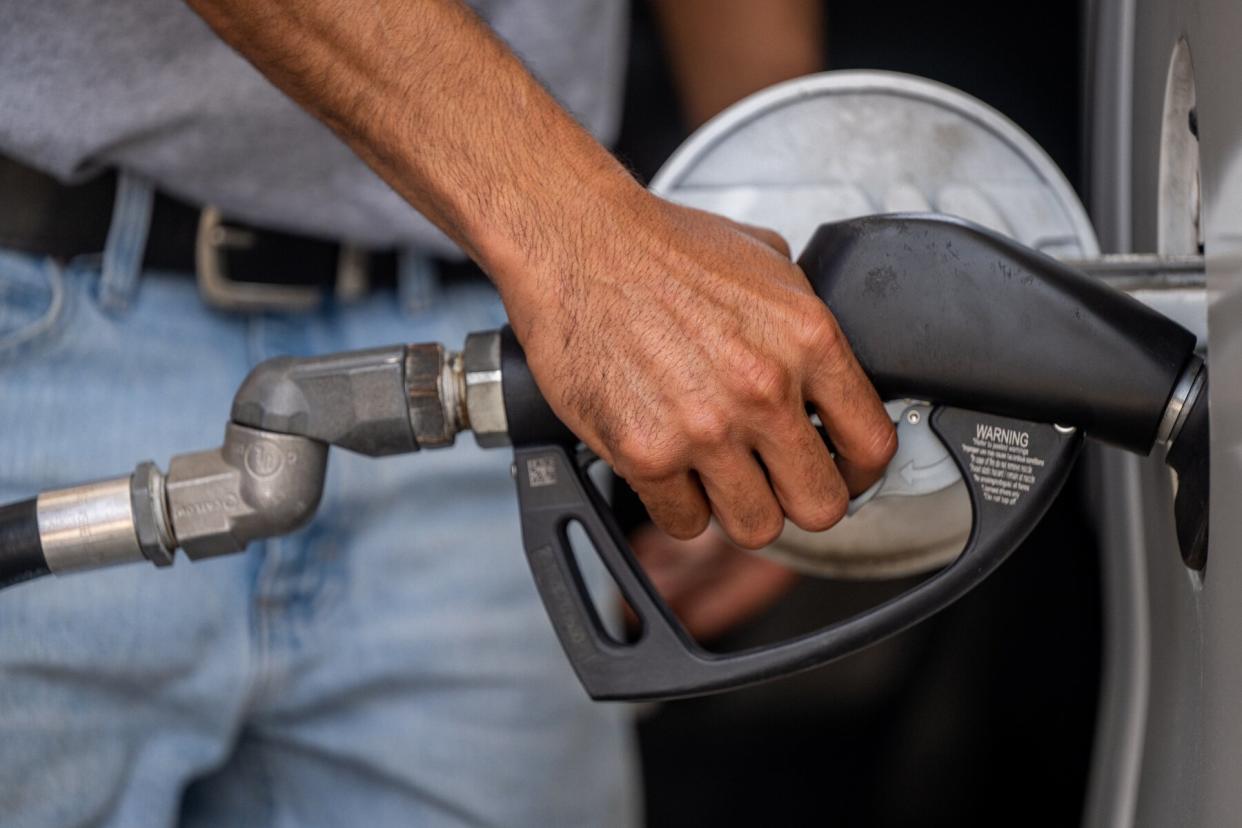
<point x="1018" y="355"/>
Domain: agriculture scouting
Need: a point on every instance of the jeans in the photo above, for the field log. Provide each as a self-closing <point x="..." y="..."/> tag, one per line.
<point x="389" y="664"/>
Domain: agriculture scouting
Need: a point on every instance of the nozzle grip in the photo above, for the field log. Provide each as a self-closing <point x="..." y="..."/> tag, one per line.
<point x="665" y="662"/>
<point x="1002" y="341"/>
<point x="939" y="309"/>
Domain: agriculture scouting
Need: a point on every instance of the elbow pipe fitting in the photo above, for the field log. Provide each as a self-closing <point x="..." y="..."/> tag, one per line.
<point x="257" y="485"/>
<point x="267" y="478"/>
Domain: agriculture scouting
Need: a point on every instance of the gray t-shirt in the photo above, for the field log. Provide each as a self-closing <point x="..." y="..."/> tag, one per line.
<point x="146" y="86"/>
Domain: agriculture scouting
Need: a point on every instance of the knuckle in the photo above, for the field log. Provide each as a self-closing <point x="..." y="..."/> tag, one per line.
<point x="779" y="244"/>
<point x="705" y="426"/>
<point x="761" y="379"/>
<point x="639" y="458"/>
<point x="818" y="331"/>
<point x="772" y="239"/>
<point x="769" y="381"/>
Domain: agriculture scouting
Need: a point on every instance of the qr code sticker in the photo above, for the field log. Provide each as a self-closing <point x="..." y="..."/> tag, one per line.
<point x="541" y="471"/>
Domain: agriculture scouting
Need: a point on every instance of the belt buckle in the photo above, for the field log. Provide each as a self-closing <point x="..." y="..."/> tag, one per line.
<point x="218" y="290"/>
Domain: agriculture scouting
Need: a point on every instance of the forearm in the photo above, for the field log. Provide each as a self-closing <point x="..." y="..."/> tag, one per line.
<point x="721" y="51"/>
<point x="681" y="347"/>
<point x="440" y="108"/>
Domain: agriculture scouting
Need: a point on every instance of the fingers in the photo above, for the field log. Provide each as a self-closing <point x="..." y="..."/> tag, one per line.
<point x="676" y="503"/>
<point x="811" y="491"/>
<point x="742" y="499"/>
<point x="709" y="583"/>
<point x="794" y="474"/>
<point x="676" y="567"/>
<point x="852" y="413"/>
<point x="849" y="407"/>
<point x="769" y="237"/>
<point x="797" y="476"/>
<point x="742" y="586"/>
<point x="801" y="482"/>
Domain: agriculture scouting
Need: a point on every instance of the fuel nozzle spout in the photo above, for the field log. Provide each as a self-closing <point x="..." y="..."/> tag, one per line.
<point x="1188" y="456"/>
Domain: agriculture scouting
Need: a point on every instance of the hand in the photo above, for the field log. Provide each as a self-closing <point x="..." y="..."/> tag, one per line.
<point x="709" y="583"/>
<point x="680" y="346"/>
<point x="683" y="348"/>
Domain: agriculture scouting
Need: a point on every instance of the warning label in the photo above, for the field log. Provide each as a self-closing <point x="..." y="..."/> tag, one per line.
<point x="1001" y="463"/>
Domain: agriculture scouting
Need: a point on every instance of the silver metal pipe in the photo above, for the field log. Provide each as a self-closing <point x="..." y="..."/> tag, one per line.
<point x="1145" y="271"/>
<point x="88" y="526"/>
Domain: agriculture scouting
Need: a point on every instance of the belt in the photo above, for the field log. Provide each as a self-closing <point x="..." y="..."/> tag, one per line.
<point x="238" y="267"/>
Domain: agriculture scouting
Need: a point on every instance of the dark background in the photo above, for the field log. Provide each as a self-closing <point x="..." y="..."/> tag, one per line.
<point x="984" y="715"/>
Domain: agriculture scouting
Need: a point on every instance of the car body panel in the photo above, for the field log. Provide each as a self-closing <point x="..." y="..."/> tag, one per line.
<point x="1169" y="740"/>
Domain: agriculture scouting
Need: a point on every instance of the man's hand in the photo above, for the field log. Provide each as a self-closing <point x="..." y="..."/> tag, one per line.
<point x="678" y="346"/>
<point x="683" y="348"/>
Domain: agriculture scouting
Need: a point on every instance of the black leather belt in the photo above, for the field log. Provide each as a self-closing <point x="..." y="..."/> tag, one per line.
<point x="238" y="267"/>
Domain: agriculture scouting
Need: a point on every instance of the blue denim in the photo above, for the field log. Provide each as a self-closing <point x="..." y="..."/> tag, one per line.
<point x="388" y="665"/>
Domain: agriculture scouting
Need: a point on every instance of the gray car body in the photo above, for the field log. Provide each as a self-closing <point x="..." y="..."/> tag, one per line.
<point x="1169" y="742"/>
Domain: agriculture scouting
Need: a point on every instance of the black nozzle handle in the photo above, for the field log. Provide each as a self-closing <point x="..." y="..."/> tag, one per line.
<point x="554" y="491"/>
<point x="1019" y="356"/>
<point x="21" y="550"/>
<point x="939" y="309"/>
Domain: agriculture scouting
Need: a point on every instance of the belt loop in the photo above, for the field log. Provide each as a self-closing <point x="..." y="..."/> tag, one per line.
<point x="127" y="241"/>
<point x="416" y="281"/>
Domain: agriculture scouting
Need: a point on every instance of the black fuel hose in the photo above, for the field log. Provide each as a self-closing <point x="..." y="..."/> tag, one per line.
<point x="21" y="551"/>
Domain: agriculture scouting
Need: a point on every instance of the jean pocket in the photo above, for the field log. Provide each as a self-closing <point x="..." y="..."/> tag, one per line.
<point x="32" y="300"/>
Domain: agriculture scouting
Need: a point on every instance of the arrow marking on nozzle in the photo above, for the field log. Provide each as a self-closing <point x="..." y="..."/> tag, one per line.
<point x="910" y="473"/>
